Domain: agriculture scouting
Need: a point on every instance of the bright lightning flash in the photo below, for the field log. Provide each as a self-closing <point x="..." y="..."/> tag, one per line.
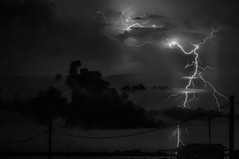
<point x="129" y="24"/>
<point x="126" y="21"/>
<point x="198" y="73"/>
<point x="103" y="15"/>
<point x="178" y="133"/>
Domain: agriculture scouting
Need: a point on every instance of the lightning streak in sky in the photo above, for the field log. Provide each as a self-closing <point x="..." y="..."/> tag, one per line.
<point x="103" y="15"/>
<point x="140" y="45"/>
<point x="129" y="23"/>
<point x="198" y="73"/>
<point x="126" y="21"/>
<point x="177" y="133"/>
<point x="189" y="93"/>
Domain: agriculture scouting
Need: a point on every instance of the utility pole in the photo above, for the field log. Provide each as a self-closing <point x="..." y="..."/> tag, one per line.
<point x="67" y="150"/>
<point x="209" y="130"/>
<point x="49" y="141"/>
<point x="209" y="125"/>
<point x="231" y="129"/>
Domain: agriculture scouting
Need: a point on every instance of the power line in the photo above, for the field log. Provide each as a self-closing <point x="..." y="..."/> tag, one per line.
<point x="117" y="136"/>
<point x="209" y="112"/>
<point x="25" y="139"/>
<point x="226" y="110"/>
<point x="142" y="132"/>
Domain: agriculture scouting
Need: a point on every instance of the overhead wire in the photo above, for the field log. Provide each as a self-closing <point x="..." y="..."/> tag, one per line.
<point x="141" y="132"/>
<point x="25" y="139"/>
<point x="223" y="108"/>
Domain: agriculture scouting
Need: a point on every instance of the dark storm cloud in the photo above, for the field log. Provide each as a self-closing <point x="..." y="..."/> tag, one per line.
<point x="85" y="7"/>
<point x="21" y="24"/>
<point x="94" y="104"/>
<point x="195" y="15"/>
<point x="156" y="16"/>
<point x="139" y="18"/>
<point x="225" y="8"/>
<point x="161" y="88"/>
<point x="146" y="33"/>
<point x="125" y="88"/>
<point x="109" y="111"/>
<point x="32" y="31"/>
<point x="222" y="12"/>
<point x="151" y="16"/>
<point x="138" y="87"/>
<point x="41" y="29"/>
<point x="141" y="87"/>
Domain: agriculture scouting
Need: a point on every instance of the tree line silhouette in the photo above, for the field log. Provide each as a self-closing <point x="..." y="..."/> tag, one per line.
<point x="94" y="104"/>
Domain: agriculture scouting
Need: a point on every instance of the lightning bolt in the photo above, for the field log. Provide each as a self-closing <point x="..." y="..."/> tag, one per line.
<point x="129" y="23"/>
<point x="103" y="15"/>
<point x="189" y="93"/>
<point x="198" y="73"/>
<point x="126" y="21"/>
<point x="140" y="45"/>
<point x="178" y="133"/>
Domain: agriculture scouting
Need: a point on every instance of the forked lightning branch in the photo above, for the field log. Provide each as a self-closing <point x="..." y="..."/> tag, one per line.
<point x="189" y="92"/>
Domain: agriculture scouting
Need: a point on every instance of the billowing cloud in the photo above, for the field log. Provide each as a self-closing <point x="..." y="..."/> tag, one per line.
<point x="161" y="88"/>
<point x="94" y="104"/>
<point x="139" y="87"/>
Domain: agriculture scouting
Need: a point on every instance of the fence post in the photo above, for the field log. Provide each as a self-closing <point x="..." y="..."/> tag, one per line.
<point x="231" y="129"/>
<point x="49" y="141"/>
<point x="209" y="130"/>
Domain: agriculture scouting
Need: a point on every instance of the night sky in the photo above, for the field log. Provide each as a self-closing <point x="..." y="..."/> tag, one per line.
<point x="114" y="80"/>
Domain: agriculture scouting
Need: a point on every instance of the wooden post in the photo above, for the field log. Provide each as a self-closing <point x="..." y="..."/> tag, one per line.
<point x="209" y="130"/>
<point x="49" y="141"/>
<point x="231" y="129"/>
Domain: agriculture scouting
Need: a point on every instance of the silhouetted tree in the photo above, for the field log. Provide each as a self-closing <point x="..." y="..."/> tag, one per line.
<point x="138" y="87"/>
<point x="47" y="106"/>
<point x="58" y="77"/>
<point x="74" y="66"/>
<point x="95" y="105"/>
<point x="125" y="88"/>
